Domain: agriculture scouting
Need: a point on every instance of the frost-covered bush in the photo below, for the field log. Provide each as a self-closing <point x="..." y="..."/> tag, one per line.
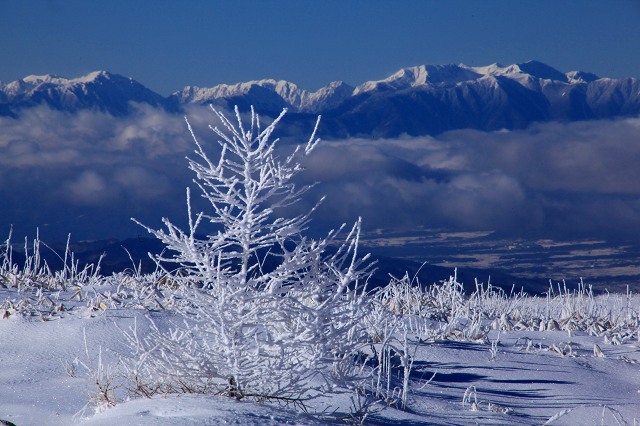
<point x="35" y="272"/>
<point x="34" y="289"/>
<point x="37" y="290"/>
<point x="264" y="311"/>
<point x="444" y="311"/>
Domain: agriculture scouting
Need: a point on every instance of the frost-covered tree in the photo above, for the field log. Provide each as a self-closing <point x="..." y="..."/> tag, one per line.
<point x="265" y="311"/>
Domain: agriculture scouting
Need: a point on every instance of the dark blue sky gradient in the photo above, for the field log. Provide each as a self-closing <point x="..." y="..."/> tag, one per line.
<point x="169" y="44"/>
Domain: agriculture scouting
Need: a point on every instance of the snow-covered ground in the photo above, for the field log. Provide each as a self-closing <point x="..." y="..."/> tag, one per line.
<point x="514" y="377"/>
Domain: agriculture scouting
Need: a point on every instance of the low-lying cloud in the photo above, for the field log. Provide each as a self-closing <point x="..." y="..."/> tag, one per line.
<point x="88" y="173"/>
<point x="563" y="179"/>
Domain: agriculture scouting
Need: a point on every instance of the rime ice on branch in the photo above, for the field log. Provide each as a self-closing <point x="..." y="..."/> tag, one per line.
<point x="267" y="311"/>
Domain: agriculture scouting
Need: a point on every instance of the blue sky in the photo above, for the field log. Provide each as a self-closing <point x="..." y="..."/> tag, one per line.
<point x="169" y="44"/>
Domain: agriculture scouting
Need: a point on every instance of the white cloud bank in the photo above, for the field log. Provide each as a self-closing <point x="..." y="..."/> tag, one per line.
<point x="564" y="179"/>
<point x="88" y="173"/>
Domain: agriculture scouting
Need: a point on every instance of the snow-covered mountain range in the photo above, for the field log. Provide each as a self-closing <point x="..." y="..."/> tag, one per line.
<point x="425" y="99"/>
<point x="99" y="90"/>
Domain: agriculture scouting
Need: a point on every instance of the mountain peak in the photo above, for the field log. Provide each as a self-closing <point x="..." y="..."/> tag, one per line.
<point x="273" y="95"/>
<point x="46" y="78"/>
<point x="581" y="77"/>
<point x="92" y="76"/>
<point x="99" y="90"/>
<point x="543" y="71"/>
<point x="429" y="75"/>
<point x="34" y="80"/>
<point x="421" y="75"/>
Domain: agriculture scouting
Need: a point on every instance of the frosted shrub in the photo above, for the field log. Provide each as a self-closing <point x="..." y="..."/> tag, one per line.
<point x="37" y="290"/>
<point x="265" y="312"/>
<point x="443" y="310"/>
<point x="35" y="273"/>
<point x="438" y="311"/>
